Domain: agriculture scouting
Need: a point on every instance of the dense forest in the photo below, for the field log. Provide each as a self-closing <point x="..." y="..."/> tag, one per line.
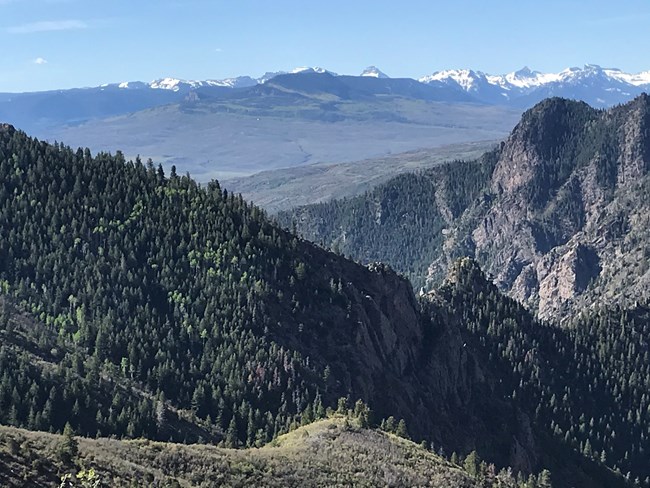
<point x="586" y="384"/>
<point x="401" y="222"/>
<point x="138" y="304"/>
<point x="176" y="290"/>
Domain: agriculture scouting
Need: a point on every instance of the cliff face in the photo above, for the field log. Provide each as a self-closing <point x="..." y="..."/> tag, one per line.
<point x="558" y="214"/>
<point x="410" y="360"/>
<point x="567" y="223"/>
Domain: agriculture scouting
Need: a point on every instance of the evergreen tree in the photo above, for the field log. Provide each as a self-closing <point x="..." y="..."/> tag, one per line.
<point x="69" y="447"/>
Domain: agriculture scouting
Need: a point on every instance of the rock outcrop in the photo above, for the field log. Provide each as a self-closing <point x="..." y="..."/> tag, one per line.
<point x="568" y="220"/>
<point x="413" y="363"/>
<point x="557" y="214"/>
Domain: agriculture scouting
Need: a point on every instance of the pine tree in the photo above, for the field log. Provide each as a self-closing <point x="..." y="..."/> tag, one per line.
<point x="401" y="429"/>
<point x="342" y="406"/>
<point x="232" y="436"/>
<point x="69" y="447"/>
<point x="544" y="479"/>
<point x="471" y="463"/>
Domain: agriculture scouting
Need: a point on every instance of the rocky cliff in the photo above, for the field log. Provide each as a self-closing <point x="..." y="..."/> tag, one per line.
<point x="408" y="359"/>
<point x="567" y="223"/>
<point x="558" y="214"/>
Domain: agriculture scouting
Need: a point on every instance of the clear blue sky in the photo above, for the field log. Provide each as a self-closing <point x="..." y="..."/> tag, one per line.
<point x="66" y="43"/>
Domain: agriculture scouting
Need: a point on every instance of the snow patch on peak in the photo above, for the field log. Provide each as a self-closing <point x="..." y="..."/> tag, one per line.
<point x="131" y="85"/>
<point x="269" y="75"/>
<point x="526" y="78"/>
<point x="237" y="82"/>
<point x="468" y="79"/>
<point x="176" y="85"/>
<point x="301" y="69"/>
<point x="373" y="72"/>
<point x="314" y="69"/>
<point x="172" y="84"/>
<point x="638" y="79"/>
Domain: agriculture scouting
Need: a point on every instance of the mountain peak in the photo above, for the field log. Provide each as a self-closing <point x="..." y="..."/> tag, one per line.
<point x="466" y="273"/>
<point x="7" y="128"/>
<point x="168" y="84"/>
<point x="466" y="78"/>
<point x="311" y="69"/>
<point x="373" y="72"/>
<point x="269" y="75"/>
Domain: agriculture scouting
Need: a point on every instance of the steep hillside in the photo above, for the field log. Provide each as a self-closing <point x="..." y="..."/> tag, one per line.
<point x="558" y="214"/>
<point x="140" y="305"/>
<point x="184" y="297"/>
<point x="567" y="225"/>
<point x="403" y="222"/>
<point x="585" y="385"/>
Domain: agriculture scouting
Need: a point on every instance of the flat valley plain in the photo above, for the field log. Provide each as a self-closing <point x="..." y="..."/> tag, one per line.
<point x="227" y="139"/>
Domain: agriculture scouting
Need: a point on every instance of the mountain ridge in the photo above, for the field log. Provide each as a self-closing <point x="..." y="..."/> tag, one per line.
<point x="523" y="79"/>
<point x="239" y="126"/>
<point x="557" y="213"/>
<point x="179" y="298"/>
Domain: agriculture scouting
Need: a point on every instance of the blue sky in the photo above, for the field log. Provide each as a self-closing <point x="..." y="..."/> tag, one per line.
<point x="67" y="43"/>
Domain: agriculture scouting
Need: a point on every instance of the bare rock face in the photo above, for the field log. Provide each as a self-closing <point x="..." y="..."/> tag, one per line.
<point x="414" y="364"/>
<point x="567" y="221"/>
<point x="635" y="155"/>
<point x="389" y="327"/>
<point x="562" y="278"/>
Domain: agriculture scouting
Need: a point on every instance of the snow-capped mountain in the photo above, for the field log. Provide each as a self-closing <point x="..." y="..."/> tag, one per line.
<point x="302" y="69"/>
<point x="639" y="79"/>
<point x="178" y="85"/>
<point x="524" y="79"/>
<point x="595" y="85"/>
<point x="476" y="83"/>
<point x="600" y="87"/>
<point x="374" y="72"/>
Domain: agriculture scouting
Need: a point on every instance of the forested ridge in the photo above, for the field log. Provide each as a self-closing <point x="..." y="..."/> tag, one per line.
<point x="586" y="384"/>
<point x="136" y="304"/>
<point x="169" y="287"/>
<point x="558" y="214"/>
<point x="400" y="222"/>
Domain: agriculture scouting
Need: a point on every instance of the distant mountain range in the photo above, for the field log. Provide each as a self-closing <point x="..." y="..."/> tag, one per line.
<point x="591" y="83"/>
<point x="586" y="82"/>
<point x="241" y="125"/>
<point x="599" y="87"/>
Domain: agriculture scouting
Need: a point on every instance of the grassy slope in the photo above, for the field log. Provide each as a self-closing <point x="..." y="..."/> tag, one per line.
<point x="325" y="453"/>
<point x="286" y="188"/>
